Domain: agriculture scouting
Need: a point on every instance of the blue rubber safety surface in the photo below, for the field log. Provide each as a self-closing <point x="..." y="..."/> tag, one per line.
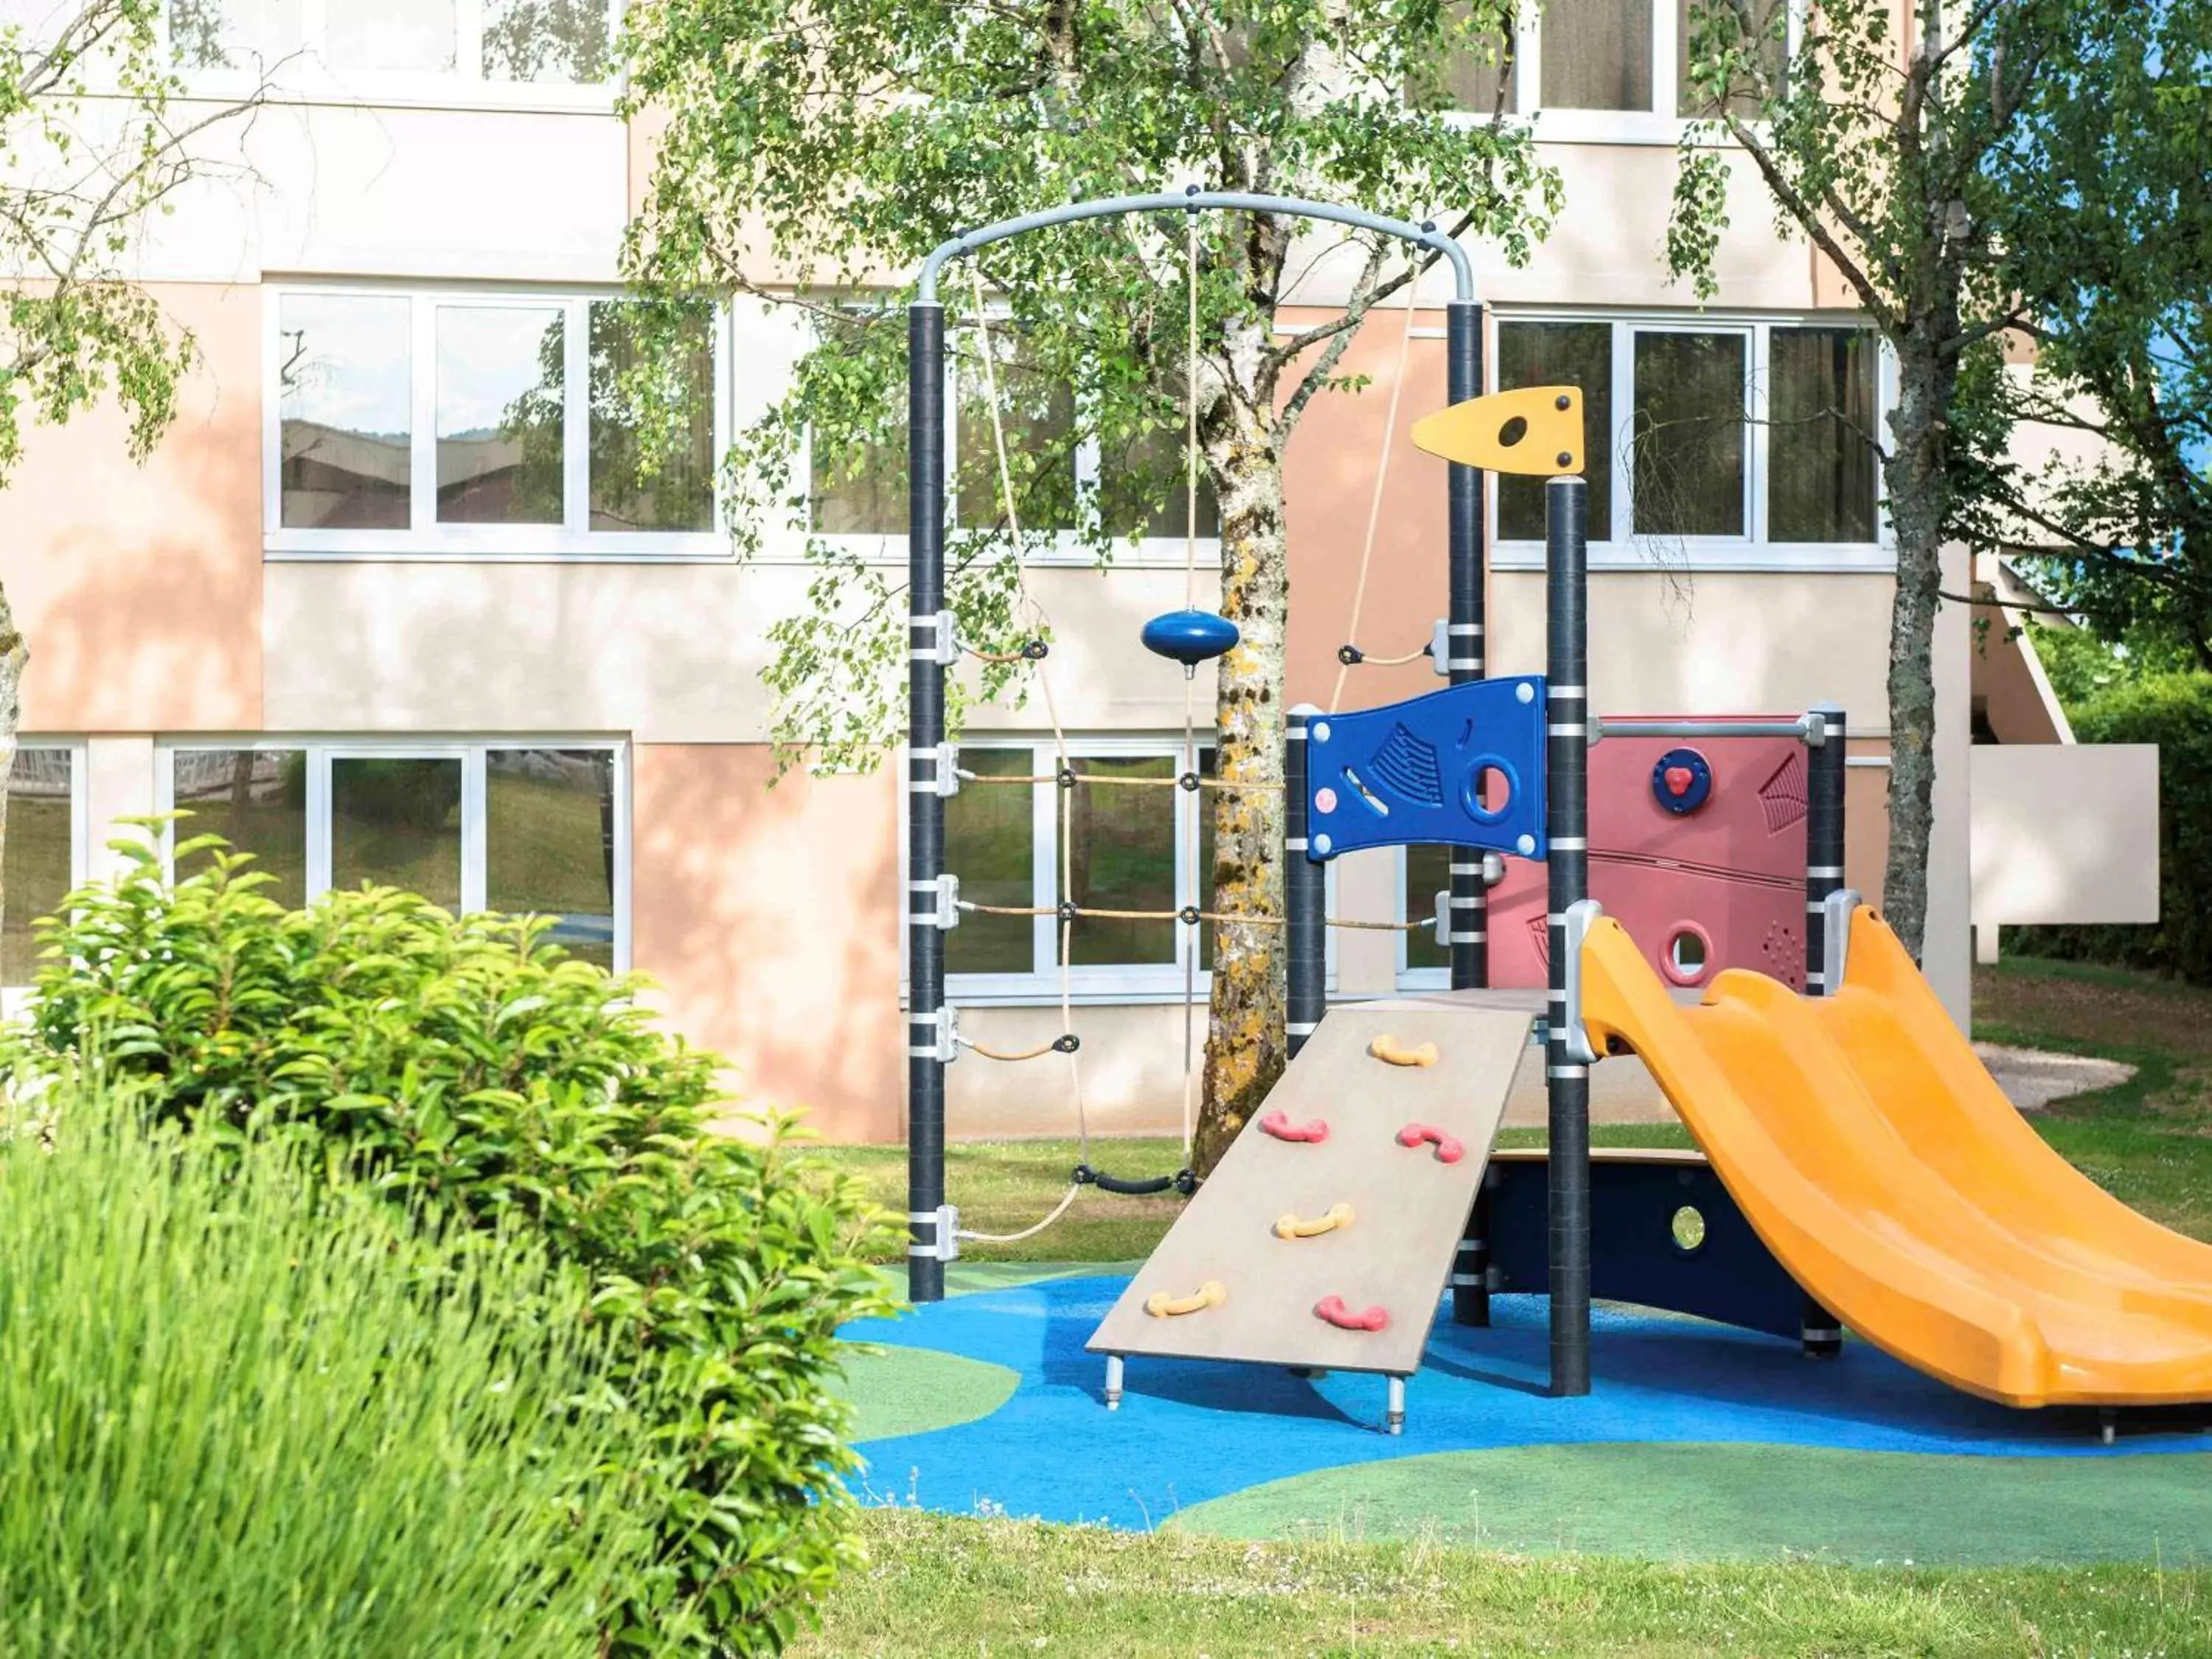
<point x="1191" y="1430"/>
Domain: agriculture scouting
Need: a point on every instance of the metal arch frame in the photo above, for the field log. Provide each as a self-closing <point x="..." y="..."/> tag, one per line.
<point x="928" y="761"/>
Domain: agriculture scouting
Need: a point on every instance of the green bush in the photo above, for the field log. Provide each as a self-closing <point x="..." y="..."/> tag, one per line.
<point x="2173" y="711"/>
<point x="468" y="1061"/>
<point x="234" y="1424"/>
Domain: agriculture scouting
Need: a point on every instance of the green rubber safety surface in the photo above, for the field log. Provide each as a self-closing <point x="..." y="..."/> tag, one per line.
<point x="1734" y="1502"/>
<point x="913" y="1390"/>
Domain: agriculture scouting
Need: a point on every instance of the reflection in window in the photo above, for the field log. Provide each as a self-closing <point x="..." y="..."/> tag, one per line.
<point x="1769" y="19"/>
<point x="1478" y="71"/>
<point x="39" y="864"/>
<point x="1688" y="433"/>
<point x="1822" y="469"/>
<point x="1597" y="54"/>
<point x="501" y="414"/>
<point x="545" y="40"/>
<point x="550" y="843"/>
<point x="653" y="417"/>
<point x="1131" y="474"/>
<point x="397" y="823"/>
<point x="343" y="380"/>
<point x="1560" y="354"/>
<point x="233" y="34"/>
<point x="1122" y="857"/>
<point x="256" y="800"/>
<point x="989" y="836"/>
<point x="390" y="34"/>
<point x="861" y="491"/>
<point x="1039" y="418"/>
<point x="1428" y="872"/>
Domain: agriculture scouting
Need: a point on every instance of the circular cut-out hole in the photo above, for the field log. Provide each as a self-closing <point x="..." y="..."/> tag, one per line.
<point x="1489" y="791"/>
<point x="1687" y="1227"/>
<point x="1513" y="431"/>
<point x="1686" y="952"/>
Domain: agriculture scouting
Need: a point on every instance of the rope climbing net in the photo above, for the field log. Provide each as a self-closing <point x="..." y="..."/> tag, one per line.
<point x="1209" y="637"/>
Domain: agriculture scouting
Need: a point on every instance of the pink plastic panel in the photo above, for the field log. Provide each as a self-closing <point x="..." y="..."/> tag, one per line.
<point x="1721" y="886"/>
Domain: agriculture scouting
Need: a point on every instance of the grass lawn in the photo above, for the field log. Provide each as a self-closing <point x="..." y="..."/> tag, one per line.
<point x="984" y="1586"/>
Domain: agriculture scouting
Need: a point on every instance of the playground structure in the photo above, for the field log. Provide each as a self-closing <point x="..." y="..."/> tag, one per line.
<point x="1858" y="1166"/>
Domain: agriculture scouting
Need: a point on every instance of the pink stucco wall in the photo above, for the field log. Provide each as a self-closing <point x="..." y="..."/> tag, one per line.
<point x="139" y="587"/>
<point x="770" y="916"/>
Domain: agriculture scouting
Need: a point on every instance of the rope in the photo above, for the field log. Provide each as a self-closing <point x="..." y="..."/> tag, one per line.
<point x="1375" y="502"/>
<point x="1231" y="918"/>
<point x="1037" y="1053"/>
<point x="1379" y="662"/>
<point x="987" y="778"/>
<point x="1058" y="1210"/>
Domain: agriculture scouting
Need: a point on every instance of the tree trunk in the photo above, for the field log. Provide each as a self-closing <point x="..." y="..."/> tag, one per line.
<point x="1919" y="510"/>
<point x="14" y="655"/>
<point x="1245" y="1050"/>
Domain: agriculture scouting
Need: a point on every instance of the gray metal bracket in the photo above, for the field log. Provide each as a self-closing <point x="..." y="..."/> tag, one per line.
<point x="1836" y="936"/>
<point x="944" y="649"/>
<point x="944" y="781"/>
<point x="946" y="1246"/>
<point x="1580" y="917"/>
<point x="939" y="1035"/>
<point x="942" y="909"/>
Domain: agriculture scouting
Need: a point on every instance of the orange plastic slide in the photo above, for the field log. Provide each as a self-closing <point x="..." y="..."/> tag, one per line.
<point x="1880" y="1162"/>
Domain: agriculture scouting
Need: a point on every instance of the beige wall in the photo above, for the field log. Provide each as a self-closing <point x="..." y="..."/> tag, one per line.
<point x="139" y="587"/>
<point x="2065" y="832"/>
<point x="771" y="917"/>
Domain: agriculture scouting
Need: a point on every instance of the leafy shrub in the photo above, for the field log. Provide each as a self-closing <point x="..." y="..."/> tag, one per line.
<point x="2173" y="711"/>
<point x="234" y="1424"/>
<point x="467" y="1061"/>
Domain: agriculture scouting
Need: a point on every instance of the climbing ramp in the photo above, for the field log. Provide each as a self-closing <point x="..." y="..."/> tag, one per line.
<point x="1878" y="1160"/>
<point x="1323" y="1236"/>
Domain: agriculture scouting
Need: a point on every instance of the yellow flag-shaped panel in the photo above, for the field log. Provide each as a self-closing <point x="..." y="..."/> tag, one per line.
<point x="1535" y="431"/>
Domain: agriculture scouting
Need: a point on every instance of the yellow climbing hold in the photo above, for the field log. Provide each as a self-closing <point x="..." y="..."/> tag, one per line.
<point x="1391" y="1051"/>
<point x="1291" y="1226"/>
<point x="1161" y="1305"/>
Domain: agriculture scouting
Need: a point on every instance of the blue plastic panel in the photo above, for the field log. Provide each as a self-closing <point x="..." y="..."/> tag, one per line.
<point x="1464" y="767"/>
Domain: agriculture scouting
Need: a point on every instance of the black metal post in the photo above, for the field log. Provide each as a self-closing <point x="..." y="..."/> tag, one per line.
<point x="1468" y="906"/>
<point x="1566" y="652"/>
<point x="1306" y="884"/>
<point x="925" y="1067"/>
<point x="1821" y="1336"/>
<point x="1470" y="1278"/>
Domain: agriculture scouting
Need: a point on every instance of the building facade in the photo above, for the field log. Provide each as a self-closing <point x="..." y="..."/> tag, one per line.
<point x="391" y="601"/>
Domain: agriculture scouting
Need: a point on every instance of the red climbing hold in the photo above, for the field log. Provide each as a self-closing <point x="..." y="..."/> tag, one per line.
<point x="1279" y="1125"/>
<point x="1331" y="1309"/>
<point x="1448" y="1149"/>
<point x="1679" y="779"/>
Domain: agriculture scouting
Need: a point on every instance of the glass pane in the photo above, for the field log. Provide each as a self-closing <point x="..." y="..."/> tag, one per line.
<point x="390" y="34"/>
<point x="397" y="823"/>
<point x="1560" y="354"/>
<point x="1822" y="472"/>
<point x="1202" y="871"/>
<point x="233" y="34"/>
<point x="1039" y="418"/>
<point x="1428" y="872"/>
<point x="550" y="843"/>
<point x="990" y="843"/>
<point x="501" y="421"/>
<point x="1769" y="24"/>
<point x="859" y="493"/>
<point x="1597" y="54"/>
<point x="1143" y="466"/>
<point x="1474" y="68"/>
<point x="40" y="867"/>
<point x="256" y="800"/>
<point x="1122" y="858"/>
<point x="1688" y="434"/>
<point x="343" y="386"/>
<point x="563" y="40"/>
<point x="653" y="420"/>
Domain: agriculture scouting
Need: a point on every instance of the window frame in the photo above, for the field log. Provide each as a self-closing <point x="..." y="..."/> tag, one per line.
<point x="1659" y="125"/>
<point x="1406" y="978"/>
<point x="1626" y="550"/>
<point x="1062" y="549"/>
<point x="321" y="750"/>
<point x="426" y="539"/>
<point x="13" y="997"/>
<point x="302" y="74"/>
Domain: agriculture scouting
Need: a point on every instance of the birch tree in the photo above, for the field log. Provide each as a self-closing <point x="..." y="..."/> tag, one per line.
<point x="809" y="150"/>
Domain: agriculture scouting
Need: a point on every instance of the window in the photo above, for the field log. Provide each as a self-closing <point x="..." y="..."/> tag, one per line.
<point x="1618" y="71"/>
<point x="1130" y="844"/>
<point x="1427" y="873"/>
<point x="540" y="42"/>
<point x="45" y="854"/>
<point x="525" y="826"/>
<point x="1744" y="442"/>
<point x="1062" y="484"/>
<point x="494" y="425"/>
